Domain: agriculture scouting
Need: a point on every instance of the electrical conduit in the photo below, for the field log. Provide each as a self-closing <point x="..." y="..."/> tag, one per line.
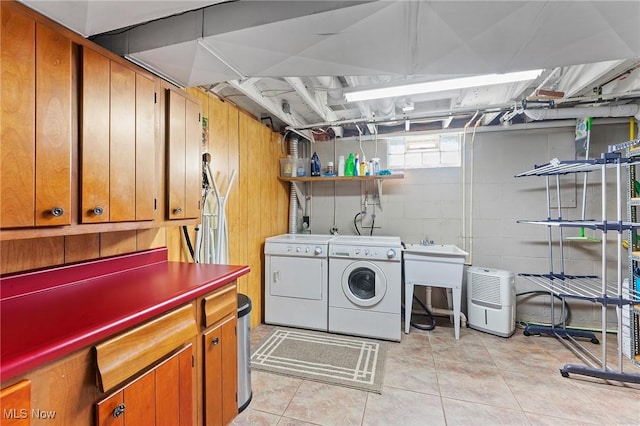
<point x="629" y="110"/>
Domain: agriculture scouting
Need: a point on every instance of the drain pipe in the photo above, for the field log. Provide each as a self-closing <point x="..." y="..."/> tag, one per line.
<point x="293" y="197"/>
<point x="444" y="312"/>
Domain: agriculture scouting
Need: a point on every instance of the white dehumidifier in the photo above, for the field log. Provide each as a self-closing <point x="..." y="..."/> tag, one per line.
<point x="491" y="301"/>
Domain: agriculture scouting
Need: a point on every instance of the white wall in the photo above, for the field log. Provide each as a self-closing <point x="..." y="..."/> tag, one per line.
<point x="428" y="204"/>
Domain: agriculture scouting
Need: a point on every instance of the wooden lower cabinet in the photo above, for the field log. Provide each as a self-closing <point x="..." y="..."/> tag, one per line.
<point x="219" y="363"/>
<point x="182" y="372"/>
<point x="15" y="402"/>
<point x="220" y="372"/>
<point x="162" y="396"/>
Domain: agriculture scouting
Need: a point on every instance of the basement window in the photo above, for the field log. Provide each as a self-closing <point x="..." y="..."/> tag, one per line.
<point x="426" y="151"/>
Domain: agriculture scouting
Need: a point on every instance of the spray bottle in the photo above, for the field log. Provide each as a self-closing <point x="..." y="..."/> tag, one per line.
<point x="315" y="165"/>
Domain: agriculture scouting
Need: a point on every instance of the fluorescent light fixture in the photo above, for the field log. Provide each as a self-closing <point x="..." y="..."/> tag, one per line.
<point x="440" y="86"/>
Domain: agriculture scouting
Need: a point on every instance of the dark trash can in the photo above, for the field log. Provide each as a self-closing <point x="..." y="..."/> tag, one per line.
<point x="244" y="352"/>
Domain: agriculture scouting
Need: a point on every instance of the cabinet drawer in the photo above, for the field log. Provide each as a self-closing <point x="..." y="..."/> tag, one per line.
<point x="128" y="353"/>
<point x="219" y="304"/>
<point x="16" y="404"/>
<point x="163" y="395"/>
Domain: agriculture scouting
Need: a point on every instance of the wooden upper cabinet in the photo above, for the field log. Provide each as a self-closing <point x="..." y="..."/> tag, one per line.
<point x="193" y="159"/>
<point x="117" y="142"/>
<point x="94" y="147"/>
<point x="35" y="81"/>
<point x="17" y="170"/>
<point x="53" y="128"/>
<point x="145" y="147"/>
<point x="122" y="143"/>
<point x="184" y="161"/>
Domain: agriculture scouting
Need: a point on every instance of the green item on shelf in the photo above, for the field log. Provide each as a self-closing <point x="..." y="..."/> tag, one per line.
<point x="636" y="187"/>
<point x="349" y="167"/>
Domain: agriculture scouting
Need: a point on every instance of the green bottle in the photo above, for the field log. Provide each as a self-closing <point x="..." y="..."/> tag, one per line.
<point x="349" y="165"/>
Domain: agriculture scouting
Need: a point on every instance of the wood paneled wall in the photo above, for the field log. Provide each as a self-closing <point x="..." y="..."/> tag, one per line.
<point x="258" y="201"/>
<point x="35" y="253"/>
<point x="256" y="208"/>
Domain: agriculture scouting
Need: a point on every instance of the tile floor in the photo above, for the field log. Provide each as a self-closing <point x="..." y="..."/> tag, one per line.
<point x="431" y="379"/>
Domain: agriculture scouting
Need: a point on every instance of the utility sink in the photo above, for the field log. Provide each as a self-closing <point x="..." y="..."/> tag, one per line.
<point x="436" y="250"/>
<point x="434" y="266"/>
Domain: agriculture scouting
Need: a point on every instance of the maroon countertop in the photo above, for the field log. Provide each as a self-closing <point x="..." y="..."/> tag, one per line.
<point x="47" y="314"/>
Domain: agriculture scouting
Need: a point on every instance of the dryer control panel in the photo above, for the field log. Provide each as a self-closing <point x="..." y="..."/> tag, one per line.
<point x="293" y="249"/>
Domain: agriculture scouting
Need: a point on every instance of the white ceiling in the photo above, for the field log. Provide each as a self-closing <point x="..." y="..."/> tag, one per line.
<point x="263" y="54"/>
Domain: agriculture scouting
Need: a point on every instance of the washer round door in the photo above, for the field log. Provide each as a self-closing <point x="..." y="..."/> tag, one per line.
<point x="364" y="283"/>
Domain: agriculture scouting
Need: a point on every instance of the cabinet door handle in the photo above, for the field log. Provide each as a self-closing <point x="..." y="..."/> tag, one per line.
<point x="177" y="210"/>
<point x="98" y="210"/>
<point x="57" y="211"/>
<point x="215" y="341"/>
<point x="119" y="410"/>
<point x="276" y="276"/>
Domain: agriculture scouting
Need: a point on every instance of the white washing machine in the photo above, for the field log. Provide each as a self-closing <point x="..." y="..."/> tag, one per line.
<point x="296" y="280"/>
<point x="365" y="280"/>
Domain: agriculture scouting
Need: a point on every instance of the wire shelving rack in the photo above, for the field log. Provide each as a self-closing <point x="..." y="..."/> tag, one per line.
<point x="597" y="289"/>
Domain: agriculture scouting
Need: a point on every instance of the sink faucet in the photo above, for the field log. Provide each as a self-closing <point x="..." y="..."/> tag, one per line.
<point x="426" y="242"/>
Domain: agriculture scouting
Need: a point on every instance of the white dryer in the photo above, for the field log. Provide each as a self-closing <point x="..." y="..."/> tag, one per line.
<point x="365" y="286"/>
<point x="296" y="280"/>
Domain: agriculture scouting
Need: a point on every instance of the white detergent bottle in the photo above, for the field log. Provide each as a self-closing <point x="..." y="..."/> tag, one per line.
<point x="341" y="165"/>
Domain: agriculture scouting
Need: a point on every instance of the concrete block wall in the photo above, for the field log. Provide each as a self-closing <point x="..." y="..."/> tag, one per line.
<point x="428" y="204"/>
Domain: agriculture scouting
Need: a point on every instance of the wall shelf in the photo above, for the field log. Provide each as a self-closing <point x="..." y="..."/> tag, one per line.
<point x="394" y="175"/>
<point x="322" y="179"/>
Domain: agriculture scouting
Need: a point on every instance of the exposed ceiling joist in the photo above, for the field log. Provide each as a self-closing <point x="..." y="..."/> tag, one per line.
<point x="272" y="106"/>
<point x="581" y="80"/>
<point x="248" y="89"/>
<point x="317" y="100"/>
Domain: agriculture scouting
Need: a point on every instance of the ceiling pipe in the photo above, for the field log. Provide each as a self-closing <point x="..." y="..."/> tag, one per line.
<point x="479" y="129"/>
<point x="440" y="114"/>
<point x="628" y="110"/>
